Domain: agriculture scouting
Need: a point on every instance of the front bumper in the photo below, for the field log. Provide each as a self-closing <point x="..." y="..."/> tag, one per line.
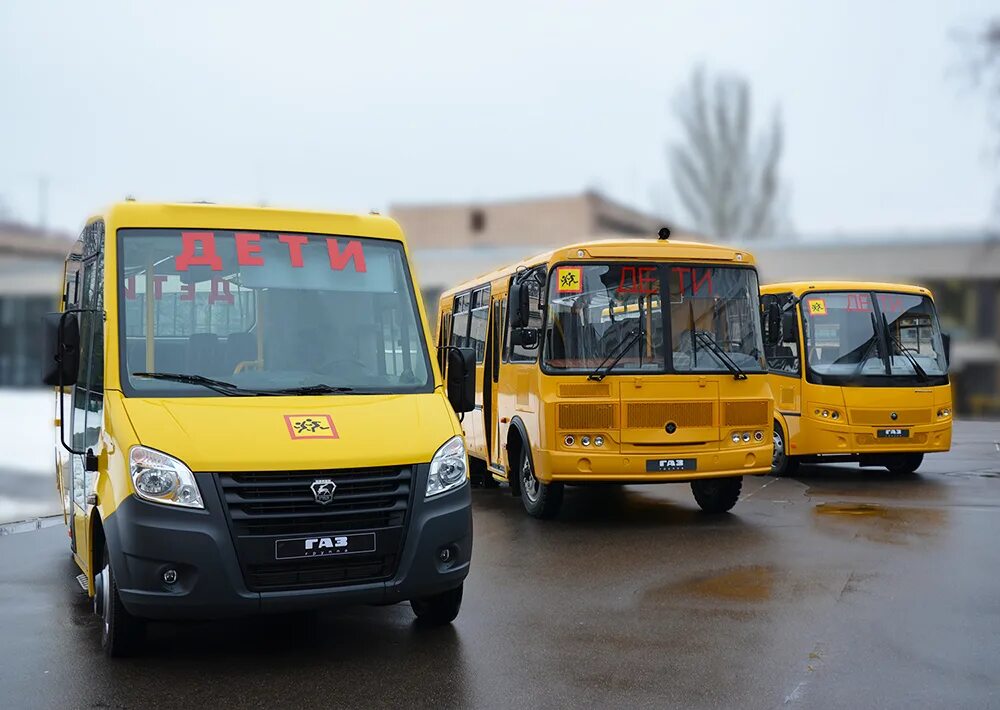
<point x="592" y="466"/>
<point x="846" y="439"/>
<point x="145" y="539"/>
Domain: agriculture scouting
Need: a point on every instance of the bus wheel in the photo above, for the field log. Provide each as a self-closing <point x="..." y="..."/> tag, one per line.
<point x="717" y="495"/>
<point x="541" y="500"/>
<point x="439" y="609"/>
<point x="480" y="474"/>
<point x="905" y="464"/>
<point x="121" y="633"/>
<point x="781" y="463"/>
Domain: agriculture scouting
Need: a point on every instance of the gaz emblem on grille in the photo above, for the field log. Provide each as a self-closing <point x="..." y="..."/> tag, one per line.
<point x="323" y="490"/>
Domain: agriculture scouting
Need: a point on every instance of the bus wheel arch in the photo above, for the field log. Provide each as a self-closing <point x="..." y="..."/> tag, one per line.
<point x="782" y="463"/>
<point x="517" y="444"/>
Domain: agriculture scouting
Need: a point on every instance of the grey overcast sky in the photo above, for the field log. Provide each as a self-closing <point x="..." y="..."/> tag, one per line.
<point x="353" y="105"/>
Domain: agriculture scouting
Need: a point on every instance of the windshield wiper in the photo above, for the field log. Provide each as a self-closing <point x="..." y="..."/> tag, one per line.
<point x="226" y="388"/>
<point x="312" y="389"/>
<point x="921" y="373"/>
<point x="868" y="349"/>
<point x="623" y="347"/>
<point x="723" y="356"/>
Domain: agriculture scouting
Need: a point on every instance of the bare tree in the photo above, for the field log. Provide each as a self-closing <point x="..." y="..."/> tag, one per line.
<point x="726" y="178"/>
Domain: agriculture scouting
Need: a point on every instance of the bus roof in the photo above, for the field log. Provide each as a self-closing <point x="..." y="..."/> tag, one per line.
<point x="801" y="287"/>
<point x="634" y="249"/>
<point x="181" y="215"/>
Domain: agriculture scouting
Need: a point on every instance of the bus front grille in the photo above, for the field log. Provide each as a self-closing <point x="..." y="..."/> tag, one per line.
<point x="263" y="507"/>
<point x="655" y="415"/>
<point x="745" y="413"/>
<point x="588" y="416"/>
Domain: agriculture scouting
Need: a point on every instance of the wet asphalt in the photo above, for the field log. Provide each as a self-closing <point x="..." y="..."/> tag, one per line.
<point x="839" y="588"/>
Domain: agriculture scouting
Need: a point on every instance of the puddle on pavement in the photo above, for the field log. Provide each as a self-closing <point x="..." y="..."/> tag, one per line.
<point x="754" y="583"/>
<point x="879" y="523"/>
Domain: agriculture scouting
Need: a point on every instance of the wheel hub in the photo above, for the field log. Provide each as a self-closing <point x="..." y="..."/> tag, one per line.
<point x="528" y="481"/>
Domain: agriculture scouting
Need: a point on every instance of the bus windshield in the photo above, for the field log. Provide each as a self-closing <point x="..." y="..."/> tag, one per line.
<point x="614" y="313"/>
<point x="265" y="312"/>
<point x="867" y="335"/>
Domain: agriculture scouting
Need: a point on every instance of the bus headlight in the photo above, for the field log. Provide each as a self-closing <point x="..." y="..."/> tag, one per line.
<point x="449" y="468"/>
<point x="163" y="479"/>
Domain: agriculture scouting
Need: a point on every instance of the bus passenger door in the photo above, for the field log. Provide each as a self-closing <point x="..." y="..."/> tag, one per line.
<point x="784" y="364"/>
<point x="491" y="376"/>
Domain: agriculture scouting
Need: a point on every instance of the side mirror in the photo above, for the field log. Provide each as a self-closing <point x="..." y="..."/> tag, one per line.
<point x="946" y="342"/>
<point x="773" y="323"/>
<point x="519" y="305"/>
<point x="60" y="349"/>
<point x="462" y="379"/>
<point x="527" y="338"/>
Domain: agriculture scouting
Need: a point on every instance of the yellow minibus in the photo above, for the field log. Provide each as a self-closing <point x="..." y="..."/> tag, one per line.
<point x="249" y="419"/>
<point x="584" y="374"/>
<point x="859" y="373"/>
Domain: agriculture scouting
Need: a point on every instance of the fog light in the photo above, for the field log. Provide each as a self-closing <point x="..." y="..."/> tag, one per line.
<point x="444" y="554"/>
<point x="736" y="438"/>
<point x="826" y="413"/>
<point x="835" y="414"/>
<point x="758" y="435"/>
<point x="170" y="576"/>
<point x="598" y="441"/>
<point x="944" y="412"/>
<point x="746" y="436"/>
<point x="569" y="440"/>
<point x="585" y="440"/>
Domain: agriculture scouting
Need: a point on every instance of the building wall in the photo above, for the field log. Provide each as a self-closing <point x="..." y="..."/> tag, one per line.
<point x="519" y="222"/>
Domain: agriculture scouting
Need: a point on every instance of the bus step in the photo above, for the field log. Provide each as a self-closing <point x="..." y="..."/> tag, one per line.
<point x="82" y="580"/>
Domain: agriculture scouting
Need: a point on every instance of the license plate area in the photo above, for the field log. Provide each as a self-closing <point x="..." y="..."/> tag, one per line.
<point x="324" y="546"/>
<point x="893" y="434"/>
<point x="670" y="464"/>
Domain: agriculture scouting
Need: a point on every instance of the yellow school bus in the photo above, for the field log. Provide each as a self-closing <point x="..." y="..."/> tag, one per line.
<point x="859" y="372"/>
<point x="237" y="392"/>
<point x="584" y="374"/>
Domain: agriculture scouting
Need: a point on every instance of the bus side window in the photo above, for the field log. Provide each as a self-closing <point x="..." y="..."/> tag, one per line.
<point x="460" y="321"/>
<point x="477" y="325"/>
<point x="519" y="353"/>
<point x="782" y="357"/>
<point x="444" y="333"/>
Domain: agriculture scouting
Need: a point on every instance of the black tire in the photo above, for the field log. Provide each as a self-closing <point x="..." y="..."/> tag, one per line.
<point x="541" y="500"/>
<point x="905" y="464"/>
<point x="121" y="633"/>
<point x="439" y="609"/>
<point x="480" y="474"/>
<point x="781" y="463"/>
<point x="717" y="495"/>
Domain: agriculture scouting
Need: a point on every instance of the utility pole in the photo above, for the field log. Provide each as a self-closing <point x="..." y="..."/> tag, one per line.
<point x="43" y="201"/>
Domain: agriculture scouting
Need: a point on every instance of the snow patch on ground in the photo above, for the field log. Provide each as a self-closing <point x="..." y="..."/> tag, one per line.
<point x="28" y="438"/>
<point x="14" y="510"/>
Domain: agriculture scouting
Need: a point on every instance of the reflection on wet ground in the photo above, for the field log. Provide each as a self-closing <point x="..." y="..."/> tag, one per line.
<point x="752" y="583"/>
<point x="879" y="523"/>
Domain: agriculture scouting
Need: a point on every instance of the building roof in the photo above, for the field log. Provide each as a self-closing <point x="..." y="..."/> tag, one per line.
<point x="533" y="221"/>
<point x="26" y="240"/>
